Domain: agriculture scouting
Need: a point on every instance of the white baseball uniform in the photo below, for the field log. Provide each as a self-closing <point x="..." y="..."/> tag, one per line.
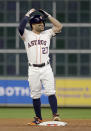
<point x="37" y="48"/>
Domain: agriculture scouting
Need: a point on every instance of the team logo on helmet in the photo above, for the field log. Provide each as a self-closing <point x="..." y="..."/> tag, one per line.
<point x="40" y="17"/>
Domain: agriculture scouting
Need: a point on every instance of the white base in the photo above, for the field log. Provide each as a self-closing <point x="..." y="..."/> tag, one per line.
<point x="53" y="123"/>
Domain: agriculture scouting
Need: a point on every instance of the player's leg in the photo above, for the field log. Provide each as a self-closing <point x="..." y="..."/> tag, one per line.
<point x="37" y="107"/>
<point x="49" y="85"/>
<point x="53" y="103"/>
<point x="35" y="87"/>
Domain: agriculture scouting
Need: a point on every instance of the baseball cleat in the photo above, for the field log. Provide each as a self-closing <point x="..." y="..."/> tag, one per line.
<point x="35" y="122"/>
<point x="56" y="117"/>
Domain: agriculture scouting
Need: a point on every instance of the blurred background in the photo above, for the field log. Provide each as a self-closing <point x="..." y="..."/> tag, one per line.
<point x="70" y="50"/>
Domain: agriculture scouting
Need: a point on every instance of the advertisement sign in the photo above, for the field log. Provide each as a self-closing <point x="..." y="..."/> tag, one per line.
<point x="69" y="92"/>
<point x="73" y="92"/>
<point x="17" y="92"/>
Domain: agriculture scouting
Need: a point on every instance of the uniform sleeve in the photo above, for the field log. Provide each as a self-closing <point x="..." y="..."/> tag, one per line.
<point x="26" y="32"/>
<point x="22" y="25"/>
<point x="50" y="33"/>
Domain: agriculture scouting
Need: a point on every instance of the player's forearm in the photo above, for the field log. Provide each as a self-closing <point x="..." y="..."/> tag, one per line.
<point x="23" y="25"/>
<point x="55" y="23"/>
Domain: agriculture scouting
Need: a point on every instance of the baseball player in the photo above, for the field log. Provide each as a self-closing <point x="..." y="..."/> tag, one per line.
<point x="37" y="42"/>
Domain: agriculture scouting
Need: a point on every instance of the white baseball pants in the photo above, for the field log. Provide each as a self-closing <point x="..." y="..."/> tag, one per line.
<point x="38" y="77"/>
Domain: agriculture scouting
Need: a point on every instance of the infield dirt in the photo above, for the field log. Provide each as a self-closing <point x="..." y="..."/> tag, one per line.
<point x="20" y="125"/>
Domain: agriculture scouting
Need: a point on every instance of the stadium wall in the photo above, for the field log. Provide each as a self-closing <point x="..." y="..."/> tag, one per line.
<point x="74" y="92"/>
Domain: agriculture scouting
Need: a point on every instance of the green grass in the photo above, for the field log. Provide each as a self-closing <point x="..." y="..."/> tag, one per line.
<point x="65" y="113"/>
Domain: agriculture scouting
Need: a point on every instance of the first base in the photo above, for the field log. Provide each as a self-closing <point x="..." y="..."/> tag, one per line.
<point x="53" y="123"/>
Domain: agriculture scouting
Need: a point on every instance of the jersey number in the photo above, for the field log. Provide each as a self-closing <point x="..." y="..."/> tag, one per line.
<point x="44" y="50"/>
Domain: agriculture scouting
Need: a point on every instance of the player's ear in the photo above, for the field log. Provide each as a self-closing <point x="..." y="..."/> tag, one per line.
<point x="32" y="26"/>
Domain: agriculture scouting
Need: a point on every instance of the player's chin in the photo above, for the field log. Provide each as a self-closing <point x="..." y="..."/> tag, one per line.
<point x="42" y="28"/>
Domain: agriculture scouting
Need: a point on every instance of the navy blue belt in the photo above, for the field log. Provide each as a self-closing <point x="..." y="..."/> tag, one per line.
<point x="39" y="65"/>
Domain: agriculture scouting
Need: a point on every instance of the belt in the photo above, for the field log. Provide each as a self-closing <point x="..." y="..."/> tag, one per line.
<point x="39" y="65"/>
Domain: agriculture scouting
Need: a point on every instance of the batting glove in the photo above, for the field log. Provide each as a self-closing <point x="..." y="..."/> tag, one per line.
<point x="30" y="12"/>
<point x="45" y="14"/>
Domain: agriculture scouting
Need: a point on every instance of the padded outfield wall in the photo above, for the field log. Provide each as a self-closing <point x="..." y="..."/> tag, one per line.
<point x="69" y="92"/>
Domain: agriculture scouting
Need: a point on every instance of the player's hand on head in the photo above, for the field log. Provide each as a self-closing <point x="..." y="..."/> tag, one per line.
<point x="30" y="12"/>
<point x="45" y="14"/>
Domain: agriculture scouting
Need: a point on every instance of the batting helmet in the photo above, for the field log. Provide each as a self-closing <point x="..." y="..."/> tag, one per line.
<point x="36" y="19"/>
